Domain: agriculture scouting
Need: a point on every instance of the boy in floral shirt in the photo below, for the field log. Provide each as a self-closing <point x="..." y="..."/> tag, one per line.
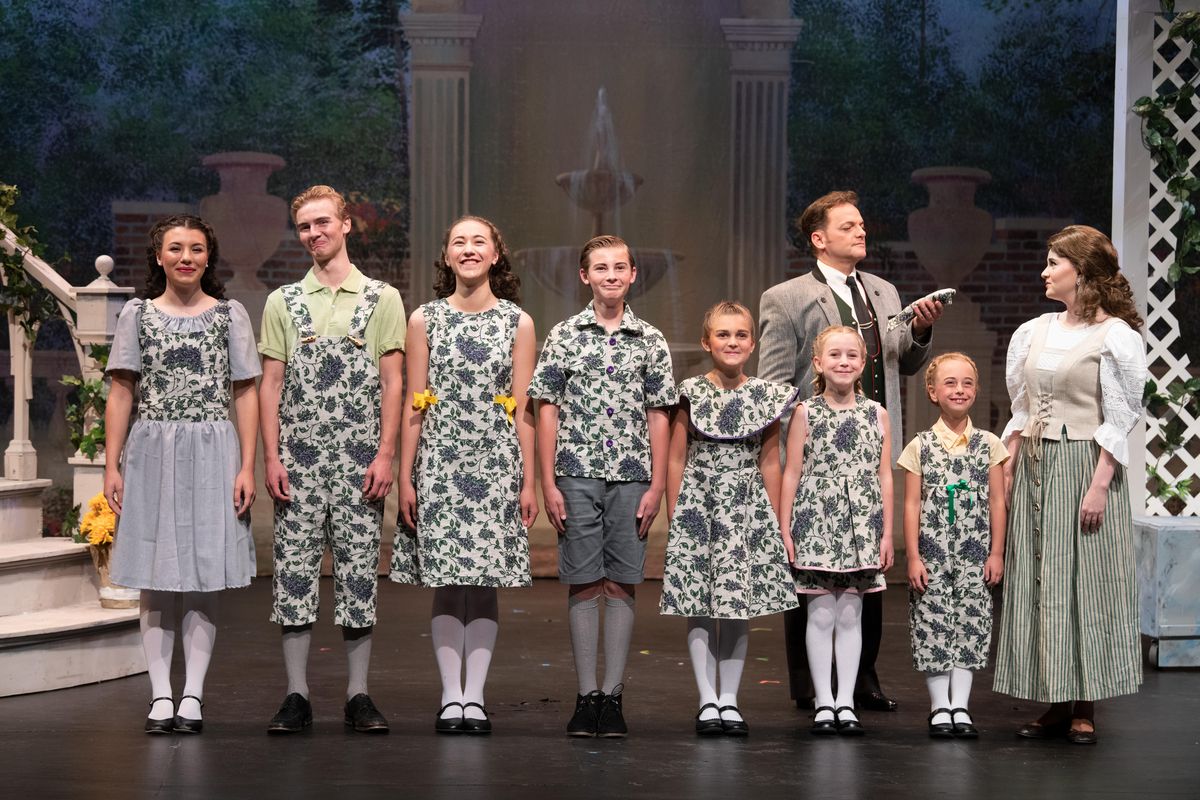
<point x="605" y="385"/>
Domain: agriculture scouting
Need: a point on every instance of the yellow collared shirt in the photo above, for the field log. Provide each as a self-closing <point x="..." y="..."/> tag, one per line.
<point x="955" y="444"/>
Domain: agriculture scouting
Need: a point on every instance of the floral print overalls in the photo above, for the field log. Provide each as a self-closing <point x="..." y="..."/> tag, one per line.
<point x="328" y="436"/>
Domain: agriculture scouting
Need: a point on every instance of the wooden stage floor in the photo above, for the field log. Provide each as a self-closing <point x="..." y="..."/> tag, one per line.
<point x="87" y="742"/>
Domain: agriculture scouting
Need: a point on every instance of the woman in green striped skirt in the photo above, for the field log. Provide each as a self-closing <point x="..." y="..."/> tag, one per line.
<point x="1068" y="632"/>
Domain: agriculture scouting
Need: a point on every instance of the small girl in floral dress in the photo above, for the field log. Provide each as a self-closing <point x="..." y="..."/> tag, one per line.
<point x="466" y="460"/>
<point x="725" y="560"/>
<point x="954" y="520"/>
<point x="182" y="479"/>
<point x="837" y="511"/>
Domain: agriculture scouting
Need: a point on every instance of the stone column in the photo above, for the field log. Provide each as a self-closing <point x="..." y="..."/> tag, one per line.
<point x="439" y="134"/>
<point x="760" y="69"/>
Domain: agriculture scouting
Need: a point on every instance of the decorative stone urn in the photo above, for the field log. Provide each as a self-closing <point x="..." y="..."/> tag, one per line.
<point x="951" y="234"/>
<point x="949" y="237"/>
<point x="248" y="221"/>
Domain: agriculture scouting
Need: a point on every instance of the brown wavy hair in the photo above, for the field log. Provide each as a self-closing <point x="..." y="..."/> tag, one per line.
<point x="504" y="282"/>
<point x="816" y="215"/>
<point x="156" y="277"/>
<point x="1101" y="284"/>
<point x="819" y="346"/>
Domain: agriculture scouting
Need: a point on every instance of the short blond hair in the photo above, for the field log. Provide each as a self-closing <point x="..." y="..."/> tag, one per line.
<point x="819" y="345"/>
<point x="320" y="192"/>
<point x="733" y="308"/>
<point x="931" y="370"/>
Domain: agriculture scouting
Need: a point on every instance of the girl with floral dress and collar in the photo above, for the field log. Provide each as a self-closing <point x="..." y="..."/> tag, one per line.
<point x="726" y="561"/>
<point x="182" y="479"/>
<point x="467" y="494"/>
<point x="837" y="512"/>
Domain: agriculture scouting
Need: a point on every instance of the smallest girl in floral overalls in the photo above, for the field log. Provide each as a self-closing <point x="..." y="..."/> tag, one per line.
<point x="837" y="517"/>
<point x="954" y="520"/>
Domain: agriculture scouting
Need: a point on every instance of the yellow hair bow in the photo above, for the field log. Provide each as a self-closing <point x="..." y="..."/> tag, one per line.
<point x="423" y="400"/>
<point x="509" y="404"/>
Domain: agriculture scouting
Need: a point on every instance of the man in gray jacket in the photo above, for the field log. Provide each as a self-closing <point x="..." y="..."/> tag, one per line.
<point x="791" y="315"/>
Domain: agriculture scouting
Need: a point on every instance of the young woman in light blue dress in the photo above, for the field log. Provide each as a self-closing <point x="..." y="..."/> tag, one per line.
<point x="181" y="480"/>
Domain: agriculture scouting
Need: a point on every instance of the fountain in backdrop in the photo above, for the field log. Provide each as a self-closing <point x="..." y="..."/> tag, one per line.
<point x="600" y="190"/>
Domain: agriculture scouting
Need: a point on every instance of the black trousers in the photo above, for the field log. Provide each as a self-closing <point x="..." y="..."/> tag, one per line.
<point x="796" y="621"/>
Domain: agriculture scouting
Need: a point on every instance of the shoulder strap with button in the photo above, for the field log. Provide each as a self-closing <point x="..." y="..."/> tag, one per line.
<point x="367" y="300"/>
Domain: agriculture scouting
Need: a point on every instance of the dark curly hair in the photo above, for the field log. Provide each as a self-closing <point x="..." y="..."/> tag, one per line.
<point x="156" y="278"/>
<point x="504" y="282"/>
<point x="1101" y="284"/>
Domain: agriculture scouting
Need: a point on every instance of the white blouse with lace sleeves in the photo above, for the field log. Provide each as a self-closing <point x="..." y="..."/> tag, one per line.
<point x="1014" y="377"/>
<point x="1122" y="379"/>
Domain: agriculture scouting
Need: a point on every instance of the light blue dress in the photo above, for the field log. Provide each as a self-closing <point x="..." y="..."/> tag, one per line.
<point x="178" y="530"/>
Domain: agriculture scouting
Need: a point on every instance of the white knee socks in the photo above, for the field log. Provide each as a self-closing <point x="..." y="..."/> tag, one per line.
<point x="156" y="616"/>
<point x="735" y="640"/>
<point x="939" y="695"/>
<point x="847" y="646"/>
<point x="296" y="641"/>
<point x="199" y="638"/>
<point x="358" y="659"/>
<point x="702" y="647"/>
<point x="960" y="691"/>
<point x="464" y="628"/>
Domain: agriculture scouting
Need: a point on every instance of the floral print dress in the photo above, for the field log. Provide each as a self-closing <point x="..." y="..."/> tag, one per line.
<point x="952" y="620"/>
<point x="837" y="515"/>
<point x="468" y="469"/>
<point x="725" y="557"/>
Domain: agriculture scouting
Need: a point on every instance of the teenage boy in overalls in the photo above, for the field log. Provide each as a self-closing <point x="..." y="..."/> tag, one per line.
<point x="333" y="352"/>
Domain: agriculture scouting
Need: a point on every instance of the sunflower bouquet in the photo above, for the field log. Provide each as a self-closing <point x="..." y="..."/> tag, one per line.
<point x="96" y="528"/>
<point x="97" y="524"/>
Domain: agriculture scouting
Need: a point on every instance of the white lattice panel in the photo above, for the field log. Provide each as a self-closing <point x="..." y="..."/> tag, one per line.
<point x="1162" y="327"/>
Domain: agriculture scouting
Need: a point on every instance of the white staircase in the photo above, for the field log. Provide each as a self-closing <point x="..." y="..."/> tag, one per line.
<point x="53" y="632"/>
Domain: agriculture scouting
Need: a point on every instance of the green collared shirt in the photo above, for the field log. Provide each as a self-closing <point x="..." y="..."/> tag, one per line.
<point x="331" y="312"/>
<point x="603" y="383"/>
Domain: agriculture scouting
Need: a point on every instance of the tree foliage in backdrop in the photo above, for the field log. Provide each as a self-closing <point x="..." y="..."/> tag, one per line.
<point x="120" y="99"/>
<point x="879" y="89"/>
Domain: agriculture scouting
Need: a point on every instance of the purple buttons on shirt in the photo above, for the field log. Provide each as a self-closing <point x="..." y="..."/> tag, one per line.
<point x="610" y="412"/>
<point x="612" y="340"/>
<point x="609" y="443"/>
<point x="610" y="370"/>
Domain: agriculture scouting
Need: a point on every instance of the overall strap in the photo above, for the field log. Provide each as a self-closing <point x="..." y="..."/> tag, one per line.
<point x="293" y="298"/>
<point x="368" y="298"/>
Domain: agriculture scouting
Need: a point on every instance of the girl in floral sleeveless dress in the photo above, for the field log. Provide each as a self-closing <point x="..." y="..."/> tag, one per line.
<point x="725" y="560"/>
<point x="183" y="481"/>
<point x="837" y="511"/>
<point x="466" y="460"/>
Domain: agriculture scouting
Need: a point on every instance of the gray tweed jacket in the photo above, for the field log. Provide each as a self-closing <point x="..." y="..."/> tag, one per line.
<point x="792" y="313"/>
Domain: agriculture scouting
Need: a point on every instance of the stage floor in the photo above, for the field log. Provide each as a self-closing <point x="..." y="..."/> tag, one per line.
<point x="87" y="742"/>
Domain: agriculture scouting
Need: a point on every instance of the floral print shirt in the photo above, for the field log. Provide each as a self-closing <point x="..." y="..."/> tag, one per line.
<point x="603" y="383"/>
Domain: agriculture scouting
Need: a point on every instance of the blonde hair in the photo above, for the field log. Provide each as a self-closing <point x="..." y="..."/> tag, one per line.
<point x="931" y="370"/>
<point x="732" y="308"/>
<point x="320" y="192"/>
<point x="819" y="346"/>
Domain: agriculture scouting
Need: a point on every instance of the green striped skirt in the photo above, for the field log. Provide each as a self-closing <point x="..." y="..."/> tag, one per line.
<point x="1068" y="630"/>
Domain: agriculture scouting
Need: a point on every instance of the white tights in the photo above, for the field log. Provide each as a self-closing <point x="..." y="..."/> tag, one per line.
<point x="156" y="616"/>
<point x="840" y="612"/>
<point x="464" y="627"/>
<point x="718" y="649"/>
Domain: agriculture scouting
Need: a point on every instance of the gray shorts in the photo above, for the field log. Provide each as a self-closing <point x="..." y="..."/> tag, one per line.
<point x="601" y="538"/>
